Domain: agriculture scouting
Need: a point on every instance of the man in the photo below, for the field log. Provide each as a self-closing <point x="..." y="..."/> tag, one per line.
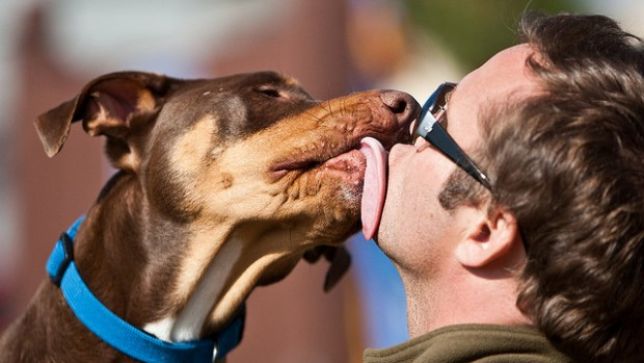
<point x="532" y="248"/>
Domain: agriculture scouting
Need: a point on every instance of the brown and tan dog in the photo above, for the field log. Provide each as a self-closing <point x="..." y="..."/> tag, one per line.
<point x="222" y="185"/>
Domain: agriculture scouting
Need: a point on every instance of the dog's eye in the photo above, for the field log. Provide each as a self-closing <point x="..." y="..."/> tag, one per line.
<point x="270" y="92"/>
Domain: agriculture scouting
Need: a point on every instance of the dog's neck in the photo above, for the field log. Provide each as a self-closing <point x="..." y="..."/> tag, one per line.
<point x="108" y="251"/>
<point x="179" y="281"/>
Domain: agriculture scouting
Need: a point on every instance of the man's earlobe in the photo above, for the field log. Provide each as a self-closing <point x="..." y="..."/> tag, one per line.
<point x="490" y="238"/>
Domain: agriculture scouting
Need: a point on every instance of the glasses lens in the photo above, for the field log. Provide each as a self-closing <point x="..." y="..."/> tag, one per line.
<point x="431" y="130"/>
<point x="439" y="105"/>
<point x="433" y="108"/>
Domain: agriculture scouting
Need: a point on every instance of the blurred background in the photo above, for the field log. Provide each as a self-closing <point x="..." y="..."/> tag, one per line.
<point x="50" y="49"/>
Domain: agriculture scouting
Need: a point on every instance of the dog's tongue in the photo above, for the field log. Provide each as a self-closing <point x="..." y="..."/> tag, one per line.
<point x="375" y="184"/>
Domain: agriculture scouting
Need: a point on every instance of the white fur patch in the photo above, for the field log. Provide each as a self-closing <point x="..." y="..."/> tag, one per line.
<point x="162" y="329"/>
<point x="192" y="318"/>
<point x="188" y="322"/>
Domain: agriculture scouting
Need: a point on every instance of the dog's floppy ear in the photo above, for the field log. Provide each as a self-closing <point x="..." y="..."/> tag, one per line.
<point x="111" y="105"/>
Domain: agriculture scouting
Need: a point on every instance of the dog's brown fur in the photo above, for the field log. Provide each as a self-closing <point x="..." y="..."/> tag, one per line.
<point x="223" y="178"/>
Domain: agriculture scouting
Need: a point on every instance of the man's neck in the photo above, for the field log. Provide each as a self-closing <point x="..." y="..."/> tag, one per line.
<point x="461" y="297"/>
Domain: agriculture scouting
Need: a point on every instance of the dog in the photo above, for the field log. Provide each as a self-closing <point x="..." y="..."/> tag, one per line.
<point x="221" y="185"/>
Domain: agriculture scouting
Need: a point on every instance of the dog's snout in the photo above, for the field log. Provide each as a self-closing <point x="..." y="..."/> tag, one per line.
<point x="402" y="105"/>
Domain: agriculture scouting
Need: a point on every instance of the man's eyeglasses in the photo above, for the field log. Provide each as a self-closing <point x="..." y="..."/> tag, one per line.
<point x="430" y="129"/>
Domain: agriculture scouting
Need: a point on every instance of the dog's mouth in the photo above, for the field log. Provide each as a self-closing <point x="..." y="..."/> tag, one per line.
<point x="348" y="154"/>
<point x="340" y="125"/>
<point x="340" y="157"/>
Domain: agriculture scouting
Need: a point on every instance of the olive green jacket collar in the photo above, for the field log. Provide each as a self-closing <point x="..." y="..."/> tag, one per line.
<point x="472" y="343"/>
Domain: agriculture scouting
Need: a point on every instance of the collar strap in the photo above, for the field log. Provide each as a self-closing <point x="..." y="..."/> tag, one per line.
<point x="118" y="333"/>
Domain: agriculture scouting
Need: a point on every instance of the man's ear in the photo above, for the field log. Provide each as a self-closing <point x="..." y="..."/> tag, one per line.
<point x="491" y="235"/>
<point x="113" y="105"/>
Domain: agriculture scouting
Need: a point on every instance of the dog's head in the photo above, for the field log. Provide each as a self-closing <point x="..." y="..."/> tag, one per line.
<point x="252" y="157"/>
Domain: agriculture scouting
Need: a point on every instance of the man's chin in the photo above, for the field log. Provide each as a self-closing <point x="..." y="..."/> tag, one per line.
<point x="384" y="240"/>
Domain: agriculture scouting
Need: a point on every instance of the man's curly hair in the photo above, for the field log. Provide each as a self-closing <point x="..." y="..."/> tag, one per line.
<point x="569" y="164"/>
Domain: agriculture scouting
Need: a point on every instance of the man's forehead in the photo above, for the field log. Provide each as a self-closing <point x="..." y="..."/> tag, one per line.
<point x="502" y="78"/>
<point x="512" y="55"/>
<point x="504" y="75"/>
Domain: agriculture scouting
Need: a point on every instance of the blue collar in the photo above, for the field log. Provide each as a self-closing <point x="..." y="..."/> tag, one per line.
<point x="115" y="331"/>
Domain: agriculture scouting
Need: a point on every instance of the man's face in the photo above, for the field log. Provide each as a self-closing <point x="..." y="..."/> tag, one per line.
<point x="415" y="231"/>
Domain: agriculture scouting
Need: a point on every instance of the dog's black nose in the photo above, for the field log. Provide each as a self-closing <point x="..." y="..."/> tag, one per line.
<point x="403" y="106"/>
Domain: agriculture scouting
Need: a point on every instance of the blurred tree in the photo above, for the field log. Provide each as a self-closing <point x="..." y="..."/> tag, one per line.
<point x="474" y="30"/>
